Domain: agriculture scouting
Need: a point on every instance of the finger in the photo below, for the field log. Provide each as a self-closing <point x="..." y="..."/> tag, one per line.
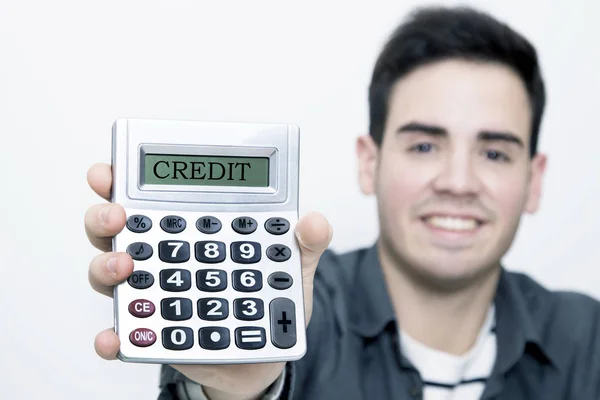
<point x="102" y="222"/>
<point x="109" y="269"/>
<point x="99" y="178"/>
<point x="107" y="344"/>
<point x="314" y="234"/>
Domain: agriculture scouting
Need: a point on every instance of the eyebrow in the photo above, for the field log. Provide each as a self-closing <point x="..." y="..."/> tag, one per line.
<point x="485" y="135"/>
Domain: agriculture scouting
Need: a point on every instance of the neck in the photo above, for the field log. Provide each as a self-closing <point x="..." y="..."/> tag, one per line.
<point x="446" y="320"/>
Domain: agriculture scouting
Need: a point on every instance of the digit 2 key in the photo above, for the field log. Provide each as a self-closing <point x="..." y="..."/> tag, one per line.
<point x="211" y="210"/>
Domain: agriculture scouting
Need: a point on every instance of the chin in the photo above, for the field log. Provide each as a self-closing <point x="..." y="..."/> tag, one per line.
<point x="444" y="274"/>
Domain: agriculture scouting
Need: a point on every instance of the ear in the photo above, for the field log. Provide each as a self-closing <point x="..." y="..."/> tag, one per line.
<point x="367" y="153"/>
<point x="538" y="167"/>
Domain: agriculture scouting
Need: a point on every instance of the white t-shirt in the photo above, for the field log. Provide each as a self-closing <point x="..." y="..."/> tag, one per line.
<point x="449" y="377"/>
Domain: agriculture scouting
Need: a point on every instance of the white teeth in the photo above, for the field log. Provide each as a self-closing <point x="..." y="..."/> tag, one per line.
<point x="454" y="224"/>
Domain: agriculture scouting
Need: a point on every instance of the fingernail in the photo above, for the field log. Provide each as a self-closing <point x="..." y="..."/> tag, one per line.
<point x="111" y="265"/>
<point x="104" y="213"/>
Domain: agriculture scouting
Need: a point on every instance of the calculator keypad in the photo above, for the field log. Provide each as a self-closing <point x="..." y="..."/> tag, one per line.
<point x="214" y="298"/>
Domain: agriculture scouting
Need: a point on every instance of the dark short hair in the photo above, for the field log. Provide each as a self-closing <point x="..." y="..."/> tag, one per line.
<point x="433" y="34"/>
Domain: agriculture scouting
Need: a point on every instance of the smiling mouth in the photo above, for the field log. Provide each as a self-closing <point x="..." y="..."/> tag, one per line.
<point x="453" y="223"/>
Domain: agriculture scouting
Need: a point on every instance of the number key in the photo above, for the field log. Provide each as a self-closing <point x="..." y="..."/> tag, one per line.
<point x="248" y="308"/>
<point x="213" y="309"/>
<point x="175" y="280"/>
<point x="211" y="280"/>
<point x="174" y="251"/>
<point x="210" y="252"/>
<point x="176" y="308"/>
<point x="245" y="252"/>
<point x="247" y="280"/>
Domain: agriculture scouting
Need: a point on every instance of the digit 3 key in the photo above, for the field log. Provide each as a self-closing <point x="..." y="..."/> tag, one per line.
<point x="211" y="209"/>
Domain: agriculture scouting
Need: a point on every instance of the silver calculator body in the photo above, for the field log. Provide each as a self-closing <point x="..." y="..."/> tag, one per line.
<point x="211" y="211"/>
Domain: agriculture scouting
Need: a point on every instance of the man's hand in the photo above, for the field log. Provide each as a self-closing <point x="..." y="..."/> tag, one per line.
<point x="243" y="381"/>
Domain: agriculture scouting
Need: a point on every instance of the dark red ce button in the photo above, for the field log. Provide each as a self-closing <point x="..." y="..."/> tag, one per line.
<point x="141" y="308"/>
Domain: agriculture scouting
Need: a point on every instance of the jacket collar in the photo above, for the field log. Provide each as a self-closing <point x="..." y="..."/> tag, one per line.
<point x="371" y="312"/>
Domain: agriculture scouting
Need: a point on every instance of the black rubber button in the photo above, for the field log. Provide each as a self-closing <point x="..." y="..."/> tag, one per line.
<point x="248" y="309"/>
<point x="283" y="322"/>
<point x="277" y="226"/>
<point x="141" y="279"/>
<point x="250" y="337"/>
<point x="214" y="337"/>
<point x="176" y="308"/>
<point x="244" y="225"/>
<point x="139" y="251"/>
<point x="139" y="223"/>
<point x="173" y="224"/>
<point x="247" y="280"/>
<point x="208" y="224"/>
<point x="174" y="251"/>
<point x="213" y="309"/>
<point x="178" y="338"/>
<point x="175" y="280"/>
<point x="245" y="252"/>
<point x="279" y="252"/>
<point x="280" y="280"/>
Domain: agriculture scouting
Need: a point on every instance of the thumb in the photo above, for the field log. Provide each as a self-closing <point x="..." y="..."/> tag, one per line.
<point x="314" y="234"/>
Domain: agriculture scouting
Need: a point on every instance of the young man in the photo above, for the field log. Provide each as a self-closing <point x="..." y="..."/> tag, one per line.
<point x="456" y="102"/>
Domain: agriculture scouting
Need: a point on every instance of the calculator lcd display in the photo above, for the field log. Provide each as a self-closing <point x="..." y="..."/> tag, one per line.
<point x="170" y="169"/>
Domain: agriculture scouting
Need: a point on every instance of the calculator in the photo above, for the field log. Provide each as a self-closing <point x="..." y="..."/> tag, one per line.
<point x="211" y="210"/>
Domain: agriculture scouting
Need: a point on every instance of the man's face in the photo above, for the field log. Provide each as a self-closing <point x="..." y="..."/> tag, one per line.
<point x="453" y="174"/>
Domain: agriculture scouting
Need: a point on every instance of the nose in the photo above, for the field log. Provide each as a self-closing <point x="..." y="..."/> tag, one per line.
<point x="457" y="176"/>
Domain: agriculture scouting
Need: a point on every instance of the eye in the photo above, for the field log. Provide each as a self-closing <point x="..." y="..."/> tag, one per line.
<point x="422" y="148"/>
<point x="497" y="156"/>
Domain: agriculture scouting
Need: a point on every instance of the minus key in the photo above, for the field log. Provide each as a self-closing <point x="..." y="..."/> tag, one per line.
<point x="280" y="280"/>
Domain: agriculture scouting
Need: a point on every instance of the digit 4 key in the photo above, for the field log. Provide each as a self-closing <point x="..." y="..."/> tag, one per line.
<point x="211" y="210"/>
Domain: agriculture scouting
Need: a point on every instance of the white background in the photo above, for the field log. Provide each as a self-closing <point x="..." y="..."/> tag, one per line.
<point x="69" y="68"/>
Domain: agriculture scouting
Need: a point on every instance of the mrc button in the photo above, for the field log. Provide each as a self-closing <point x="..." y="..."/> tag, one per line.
<point x="141" y="279"/>
<point x="244" y="225"/>
<point x="142" y="337"/>
<point x="141" y="308"/>
<point x="172" y="224"/>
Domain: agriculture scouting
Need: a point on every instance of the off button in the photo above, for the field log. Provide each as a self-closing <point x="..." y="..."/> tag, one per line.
<point x="141" y="279"/>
